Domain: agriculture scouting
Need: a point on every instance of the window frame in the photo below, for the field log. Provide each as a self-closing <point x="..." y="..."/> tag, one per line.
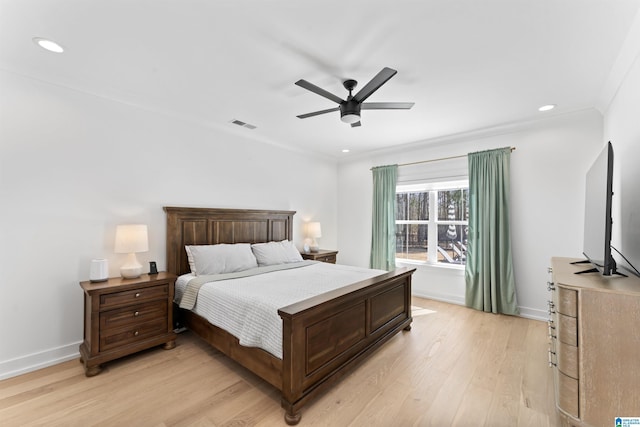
<point x="433" y="221"/>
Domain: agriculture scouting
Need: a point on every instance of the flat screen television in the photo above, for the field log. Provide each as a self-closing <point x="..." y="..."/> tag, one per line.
<point x="597" y="214"/>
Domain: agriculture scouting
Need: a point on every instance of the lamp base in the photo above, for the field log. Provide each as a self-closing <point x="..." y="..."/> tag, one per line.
<point x="131" y="273"/>
<point x="313" y="246"/>
<point x="131" y="269"/>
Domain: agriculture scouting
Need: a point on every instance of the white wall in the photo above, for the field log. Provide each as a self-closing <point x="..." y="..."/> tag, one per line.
<point x="547" y="199"/>
<point x="73" y="166"/>
<point x="622" y="128"/>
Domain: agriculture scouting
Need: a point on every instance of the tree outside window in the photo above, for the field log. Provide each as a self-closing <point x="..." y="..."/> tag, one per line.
<point x="432" y="223"/>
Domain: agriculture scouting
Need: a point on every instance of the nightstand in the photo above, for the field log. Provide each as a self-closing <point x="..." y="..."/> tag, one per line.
<point x="322" y="255"/>
<point x="124" y="316"/>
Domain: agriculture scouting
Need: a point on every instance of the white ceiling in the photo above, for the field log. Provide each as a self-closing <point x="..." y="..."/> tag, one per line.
<point x="467" y="64"/>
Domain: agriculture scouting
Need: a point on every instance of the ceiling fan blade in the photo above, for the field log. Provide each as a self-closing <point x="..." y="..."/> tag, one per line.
<point x="317" y="113"/>
<point x="315" y="89"/>
<point x="375" y="83"/>
<point x="387" y="105"/>
<point x="356" y="124"/>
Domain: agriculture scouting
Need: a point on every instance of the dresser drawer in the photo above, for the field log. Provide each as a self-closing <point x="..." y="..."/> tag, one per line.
<point x="567" y="394"/>
<point x="567" y="330"/>
<point x="133" y="314"/>
<point x="567" y="302"/>
<point x="567" y="359"/>
<point x="114" y="338"/>
<point x="135" y="296"/>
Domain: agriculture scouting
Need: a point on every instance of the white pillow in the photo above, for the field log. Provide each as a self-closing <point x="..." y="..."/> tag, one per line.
<point x="276" y="253"/>
<point x="219" y="259"/>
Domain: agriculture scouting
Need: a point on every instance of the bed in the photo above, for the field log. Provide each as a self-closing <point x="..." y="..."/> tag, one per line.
<point x="323" y="337"/>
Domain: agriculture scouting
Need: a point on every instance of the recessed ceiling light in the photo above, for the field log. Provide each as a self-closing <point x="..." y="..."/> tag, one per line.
<point x="346" y="150"/>
<point x="49" y="45"/>
<point x="547" y="107"/>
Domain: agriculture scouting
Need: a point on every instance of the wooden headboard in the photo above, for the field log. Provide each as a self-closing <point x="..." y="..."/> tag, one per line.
<point x="211" y="226"/>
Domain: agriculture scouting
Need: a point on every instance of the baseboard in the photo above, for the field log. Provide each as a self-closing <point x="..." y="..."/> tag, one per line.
<point x="526" y="312"/>
<point x="534" y="313"/>
<point x="451" y="299"/>
<point x="33" y="362"/>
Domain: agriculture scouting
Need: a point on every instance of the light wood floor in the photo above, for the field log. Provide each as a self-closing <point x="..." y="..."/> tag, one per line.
<point x="456" y="367"/>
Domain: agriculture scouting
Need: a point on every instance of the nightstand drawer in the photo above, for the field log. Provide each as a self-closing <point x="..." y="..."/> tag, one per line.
<point x="114" y="338"/>
<point x="134" y="296"/>
<point x="321" y="255"/>
<point x="133" y="314"/>
<point x="327" y="258"/>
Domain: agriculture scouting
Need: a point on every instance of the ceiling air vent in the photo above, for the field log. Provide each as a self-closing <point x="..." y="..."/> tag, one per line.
<point x="243" y="124"/>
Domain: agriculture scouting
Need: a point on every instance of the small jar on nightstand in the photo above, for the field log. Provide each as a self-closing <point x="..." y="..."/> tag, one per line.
<point x="322" y="255"/>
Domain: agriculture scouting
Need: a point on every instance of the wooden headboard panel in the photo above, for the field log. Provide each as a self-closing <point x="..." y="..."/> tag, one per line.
<point x="211" y="226"/>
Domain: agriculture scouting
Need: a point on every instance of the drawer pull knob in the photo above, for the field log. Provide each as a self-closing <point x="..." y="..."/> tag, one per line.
<point x="137" y="294"/>
<point x="136" y="314"/>
<point x="135" y="334"/>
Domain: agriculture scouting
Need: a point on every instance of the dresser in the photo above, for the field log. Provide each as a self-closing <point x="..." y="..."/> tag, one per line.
<point x="594" y="346"/>
<point x="322" y="255"/>
<point x="124" y="316"/>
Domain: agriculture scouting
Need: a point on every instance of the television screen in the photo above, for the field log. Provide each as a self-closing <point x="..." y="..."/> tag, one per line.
<point x="597" y="216"/>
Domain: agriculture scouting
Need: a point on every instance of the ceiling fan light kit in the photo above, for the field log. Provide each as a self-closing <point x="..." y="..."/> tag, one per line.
<point x="350" y="108"/>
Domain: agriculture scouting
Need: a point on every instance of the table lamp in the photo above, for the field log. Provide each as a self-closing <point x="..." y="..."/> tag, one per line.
<point x="313" y="231"/>
<point x="131" y="239"/>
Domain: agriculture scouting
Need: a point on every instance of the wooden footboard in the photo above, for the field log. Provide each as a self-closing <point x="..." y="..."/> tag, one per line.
<point x="325" y="336"/>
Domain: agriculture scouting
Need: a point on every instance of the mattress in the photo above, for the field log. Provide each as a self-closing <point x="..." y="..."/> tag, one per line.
<point x="247" y="307"/>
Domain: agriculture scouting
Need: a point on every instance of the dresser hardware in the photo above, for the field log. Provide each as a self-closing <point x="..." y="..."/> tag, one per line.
<point x="552" y="307"/>
<point x="137" y="294"/>
<point x="136" y="314"/>
<point x="135" y="334"/>
<point x="551" y="329"/>
<point x="550" y="269"/>
<point x="551" y="286"/>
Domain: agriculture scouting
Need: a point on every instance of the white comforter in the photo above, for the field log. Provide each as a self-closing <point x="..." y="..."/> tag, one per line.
<point x="247" y="307"/>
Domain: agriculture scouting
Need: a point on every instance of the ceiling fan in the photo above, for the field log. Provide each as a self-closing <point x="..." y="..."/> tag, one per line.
<point x="350" y="108"/>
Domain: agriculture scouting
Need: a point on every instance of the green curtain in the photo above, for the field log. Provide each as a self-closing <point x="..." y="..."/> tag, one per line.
<point x="383" y="236"/>
<point x="490" y="282"/>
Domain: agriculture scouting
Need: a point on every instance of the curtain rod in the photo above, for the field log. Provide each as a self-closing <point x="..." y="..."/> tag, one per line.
<point x="442" y="158"/>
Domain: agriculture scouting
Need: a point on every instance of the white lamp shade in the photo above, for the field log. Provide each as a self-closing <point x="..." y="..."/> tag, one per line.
<point x="314" y="229"/>
<point x="131" y="238"/>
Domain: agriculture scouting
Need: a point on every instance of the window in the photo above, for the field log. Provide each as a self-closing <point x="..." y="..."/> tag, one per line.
<point x="432" y="222"/>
